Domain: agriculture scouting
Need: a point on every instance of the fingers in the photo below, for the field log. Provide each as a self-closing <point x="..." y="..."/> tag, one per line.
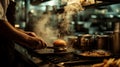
<point x="32" y="41"/>
<point x="41" y="45"/>
<point x="31" y="34"/>
<point x="38" y="43"/>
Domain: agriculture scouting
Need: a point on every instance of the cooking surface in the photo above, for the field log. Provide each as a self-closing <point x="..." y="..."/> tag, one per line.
<point x="50" y="50"/>
<point x="66" y="58"/>
<point x="71" y="60"/>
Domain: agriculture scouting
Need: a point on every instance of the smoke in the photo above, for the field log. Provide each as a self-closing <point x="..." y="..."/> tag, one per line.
<point x="44" y="30"/>
<point x="50" y="27"/>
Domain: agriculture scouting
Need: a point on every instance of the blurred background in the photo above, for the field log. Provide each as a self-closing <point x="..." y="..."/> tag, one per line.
<point x="71" y="20"/>
<point x="95" y="17"/>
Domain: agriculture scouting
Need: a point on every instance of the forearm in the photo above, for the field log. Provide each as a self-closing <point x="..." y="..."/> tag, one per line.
<point x="20" y="37"/>
<point x="7" y="30"/>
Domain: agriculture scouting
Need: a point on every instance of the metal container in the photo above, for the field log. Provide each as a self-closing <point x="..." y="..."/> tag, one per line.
<point x="92" y="42"/>
<point x="116" y="39"/>
<point x="104" y="42"/>
<point x="85" y="42"/>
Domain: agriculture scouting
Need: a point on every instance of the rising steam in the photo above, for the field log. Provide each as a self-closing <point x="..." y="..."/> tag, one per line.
<point x="44" y="30"/>
<point x="50" y="30"/>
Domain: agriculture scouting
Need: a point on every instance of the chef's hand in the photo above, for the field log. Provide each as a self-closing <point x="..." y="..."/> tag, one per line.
<point x="28" y="33"/>
<point x="31" y="34"/>
<point x="39" y="42"/>
<point x="36" y="42"/>
<point x="33" y="41"/>
<point x="21" y="37"/>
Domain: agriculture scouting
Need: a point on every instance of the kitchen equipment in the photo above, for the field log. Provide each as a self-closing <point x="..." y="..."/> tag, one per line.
<point x="92" y="42"/>
<point x="85" y="42"/>
<point x="116" y="39"/>
<point x="104" y="42"/>
<point x="71" y="40"/>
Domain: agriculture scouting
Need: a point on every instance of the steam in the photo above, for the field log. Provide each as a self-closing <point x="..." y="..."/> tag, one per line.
<point x="50" y="30"/>
<point x="44" y="30"/>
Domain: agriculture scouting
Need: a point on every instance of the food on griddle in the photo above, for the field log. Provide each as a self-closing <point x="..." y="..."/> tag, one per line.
<point x="112" y="62"/>
<point x="60" y="45"/>
<point x="96" y="53"/>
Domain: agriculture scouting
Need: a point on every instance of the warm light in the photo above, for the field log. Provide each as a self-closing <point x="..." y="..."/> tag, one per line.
<point x="17" y="25"/>
<point x="103" y="11"/>
<point x="32" y="11"/>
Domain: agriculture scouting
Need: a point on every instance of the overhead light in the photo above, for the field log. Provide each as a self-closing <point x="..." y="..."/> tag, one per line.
<point x="117" y="10"/>
<point x="118" y="16"/>
<point x="111" y="16"/>
<point x="93" y="16"/>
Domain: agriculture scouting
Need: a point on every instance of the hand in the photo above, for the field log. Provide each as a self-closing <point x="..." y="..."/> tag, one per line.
<point x="37" y="43"/>
<point x="31" y="34"/>
<point x="32" y="41"/>
<point x="40" y="43"/>
<point x="28" y="33"/>
<point x="20" y="37"/>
